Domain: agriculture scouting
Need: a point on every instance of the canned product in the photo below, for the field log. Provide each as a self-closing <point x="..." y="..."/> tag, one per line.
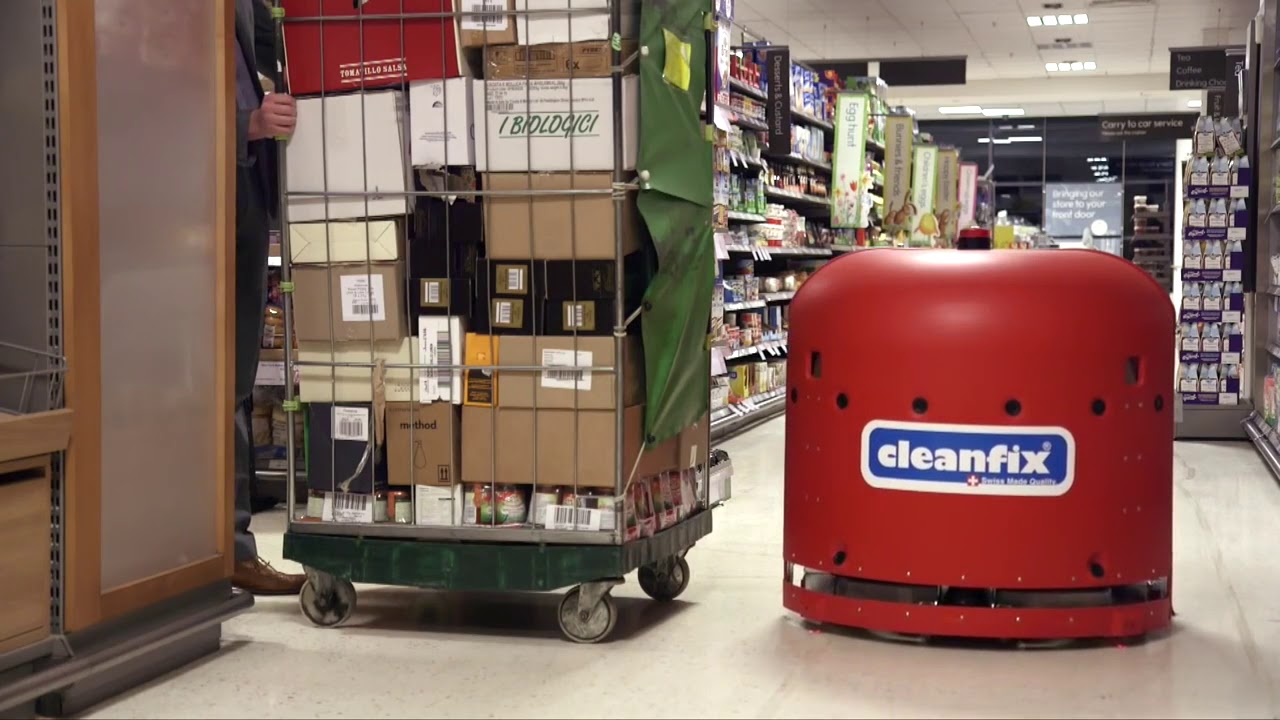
<point x="540" y="501"/>
<point x="315" y="504"/>
<point x="380" y="507"/>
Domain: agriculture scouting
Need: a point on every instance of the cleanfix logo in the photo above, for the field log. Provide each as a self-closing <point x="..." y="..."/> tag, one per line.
<point x="968" y="459"/>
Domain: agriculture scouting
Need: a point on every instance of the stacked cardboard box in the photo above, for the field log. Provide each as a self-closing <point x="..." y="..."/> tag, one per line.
<point x="515" y="107"/>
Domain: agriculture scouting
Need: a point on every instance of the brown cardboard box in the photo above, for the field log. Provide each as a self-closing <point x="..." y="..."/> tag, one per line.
<point x="589" y="59"/>
<point x="559" y="390"/>
<point x="595" y="449"/>
<point x="477" y="31"/>
<point x="694" y="441"/>
<point x="557" y="455"/>
<point x="424" y="439"/>
<point x="344" y="290"/>
<point x="497" y="443"/>
<point x="557" y="223"/>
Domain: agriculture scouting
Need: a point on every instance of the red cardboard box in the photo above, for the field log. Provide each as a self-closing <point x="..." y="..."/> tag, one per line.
<point x="429" y="49"/>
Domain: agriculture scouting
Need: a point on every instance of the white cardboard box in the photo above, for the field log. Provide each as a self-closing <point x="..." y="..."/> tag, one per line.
<point x="319" y="383"/>
<point x="348" y="242"/>
<point x="328" y="144"/>
<point x="440" y="123"/>
<point x="440" y="340"/>
<point x="539" y="28"/>
<point x="536" y="123"/>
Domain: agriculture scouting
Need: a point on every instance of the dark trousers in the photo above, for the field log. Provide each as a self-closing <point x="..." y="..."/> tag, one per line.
<point x="252" y="248"/>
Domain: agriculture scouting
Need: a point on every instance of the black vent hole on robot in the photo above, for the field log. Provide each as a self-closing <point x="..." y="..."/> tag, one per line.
<point x="1013" y="408"/>
<point x="1099" y="406"/>
<point x="1096" y="569"/>
<point x="795" y="396"/>
<point x="839" y="558"/>
<point x="842" y="401"/>
<point x="1133" y="370"/>
<point x="920" y="406"/>
<point x="815" y="365"/>
<point x="1159" y="403"/>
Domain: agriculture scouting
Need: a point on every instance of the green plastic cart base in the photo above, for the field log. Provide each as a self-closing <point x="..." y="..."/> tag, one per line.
<point x="587" y="612"/>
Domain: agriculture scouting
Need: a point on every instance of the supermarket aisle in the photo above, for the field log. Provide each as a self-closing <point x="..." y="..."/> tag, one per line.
<point x="728" y="649"/>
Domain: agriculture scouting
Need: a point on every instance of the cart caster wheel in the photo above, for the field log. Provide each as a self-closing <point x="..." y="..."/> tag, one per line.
<point x="331" y="606"/>
<point x="665" y="584"/>
<point x="587" y="626"/>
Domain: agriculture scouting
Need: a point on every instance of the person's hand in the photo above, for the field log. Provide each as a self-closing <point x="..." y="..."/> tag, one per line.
<point x="276" y="118"/>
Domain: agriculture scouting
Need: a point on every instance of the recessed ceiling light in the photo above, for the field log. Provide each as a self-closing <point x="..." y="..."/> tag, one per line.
<point x="960" y="110"/>
<point x="1077" y="66"/>
<point x="1194" y="103"/>
<point x="1065" y="20"/>
<point x="1090" y="65"/>
<point x="1049" y="20"/>
<point x="1026" y="138"/>
<point x="1033" y="20"/>
<point x="1051" y="67"/>
<point x="1003" y="112"/>
<point x="997" y="141"/>
<point x="1081" y="19"/>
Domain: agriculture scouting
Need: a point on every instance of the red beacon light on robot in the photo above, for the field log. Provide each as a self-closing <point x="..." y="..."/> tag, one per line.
<point x="987" y="451"/>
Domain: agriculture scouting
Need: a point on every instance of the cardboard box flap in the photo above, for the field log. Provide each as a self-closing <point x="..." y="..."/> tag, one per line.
<point x="346" y="242"/>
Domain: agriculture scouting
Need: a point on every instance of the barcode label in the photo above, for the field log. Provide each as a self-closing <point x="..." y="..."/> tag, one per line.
<point x="351" y="423"/>
<point x="435" y="343"/>
<point x="494" y="19"/>
<point x="433" y="293"/>
<point x="514" y="279"/>
<point x="363" y="298"/>
<point x="567" y="517"/>
<point x="347" y="507"/>
<point x="573" y="316"/>
<point x="573" y="379"/>
<point x="443" y="355"/>
<point x="502" y="312"/>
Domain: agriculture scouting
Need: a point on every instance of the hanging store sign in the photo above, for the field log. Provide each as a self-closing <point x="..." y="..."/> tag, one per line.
<point x="924" y="223"/>
<point x="778" y="106"/>
<point x="898" y="139"/>
<point x="968" y="194"/>
<point x="1147" y="126"/>
<point x="1202" y="68"/>
<point x="849" y="161"/>
<point x="947" y="198"/>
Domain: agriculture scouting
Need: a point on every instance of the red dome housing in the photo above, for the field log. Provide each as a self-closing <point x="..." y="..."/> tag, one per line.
<point x="981" y="444"/>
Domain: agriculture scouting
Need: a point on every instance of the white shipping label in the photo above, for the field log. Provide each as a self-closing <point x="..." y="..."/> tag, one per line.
<point x="435" y="345"/>
<point x="503" y="313"/>
<point x="567" y="517"/>
<point x="347" y="508"/>
<point x="270" y="372"/>
<point x="566" y="379"/>
<point x="515" y="279"/>
<point x="493" y="17"/>
<point x="351" y="423"/>
<point x="432" y="293"/>
<point x="363" y="298"/>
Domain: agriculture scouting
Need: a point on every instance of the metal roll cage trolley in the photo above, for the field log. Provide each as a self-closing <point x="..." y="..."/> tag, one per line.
<point x="484" y="554"/>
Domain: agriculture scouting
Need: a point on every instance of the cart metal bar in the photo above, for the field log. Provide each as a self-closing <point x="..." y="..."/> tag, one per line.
<point x="420" y="366"/>
<point x="451" y="194"/>
<point x="362" y="17"/>
<point x="526" y="533"/>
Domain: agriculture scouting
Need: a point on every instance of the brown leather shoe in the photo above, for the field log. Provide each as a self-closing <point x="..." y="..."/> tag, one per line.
<point x="258" y="577"/>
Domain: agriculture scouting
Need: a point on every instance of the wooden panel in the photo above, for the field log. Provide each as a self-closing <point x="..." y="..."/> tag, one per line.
<point x="137" y="595"/>
<point x="78" y="137"/>
<point x="224" y="343"/>
<point x="24" y="436"/>
<point x="24" y="552"/>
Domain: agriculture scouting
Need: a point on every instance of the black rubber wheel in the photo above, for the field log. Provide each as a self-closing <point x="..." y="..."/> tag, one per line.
<point x="665" y="586"/>
<point x="593" y="628"/>
<point x="329" y="609"/>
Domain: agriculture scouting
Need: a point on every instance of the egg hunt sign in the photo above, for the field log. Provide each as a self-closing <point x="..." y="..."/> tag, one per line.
<point x="1147" y="126"/>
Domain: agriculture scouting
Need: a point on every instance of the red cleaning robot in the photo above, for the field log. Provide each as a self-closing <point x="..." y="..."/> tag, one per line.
<point x="980" y="444"/>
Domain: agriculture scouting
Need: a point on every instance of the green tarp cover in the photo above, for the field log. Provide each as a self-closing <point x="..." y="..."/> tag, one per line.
<point x="676" y="204"/>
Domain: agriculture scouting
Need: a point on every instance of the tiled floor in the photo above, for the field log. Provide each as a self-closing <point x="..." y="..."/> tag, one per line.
<point x="728" y="649"/>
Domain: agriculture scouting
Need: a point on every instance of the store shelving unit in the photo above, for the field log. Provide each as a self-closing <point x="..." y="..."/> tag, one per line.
<point x="1262" y="426"/>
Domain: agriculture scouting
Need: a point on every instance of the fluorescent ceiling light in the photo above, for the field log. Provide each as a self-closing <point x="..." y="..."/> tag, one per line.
<point x="1026" y="127"/>
<point x="1081" y="19"/>
<point x="1050" y="20"/>
<point x="960" y="110"/>
<point x="1090" y="65"/>
<point x="997" y="141"/>
<point x="1051" y="67"/>
<point x="1026" y="138"/>
<point x="1002" y="112"/>
<point x="1077" y="66"/>
<point x="1065" y="20"/>
<point x="1194" y="103"/>
<point x="1033" y="20"/>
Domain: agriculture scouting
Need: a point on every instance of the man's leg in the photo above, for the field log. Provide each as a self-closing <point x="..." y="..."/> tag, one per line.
<point x="252" y="249"/>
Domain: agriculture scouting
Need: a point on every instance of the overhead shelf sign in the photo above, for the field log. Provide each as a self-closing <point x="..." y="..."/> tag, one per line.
<point x="1203" y="68"/>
